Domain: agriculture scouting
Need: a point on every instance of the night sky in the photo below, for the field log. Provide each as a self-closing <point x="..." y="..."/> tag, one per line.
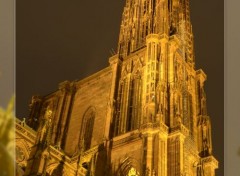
<point x="61" y="40"/>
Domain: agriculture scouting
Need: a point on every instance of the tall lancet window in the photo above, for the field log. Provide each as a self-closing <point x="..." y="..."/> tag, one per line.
<point x="128" y="106"/>
<point x="134" y="108"/>
<point x="118" y="110"/>
<point x="87" y="128"/>
<point x="190" y="115"/>
<point x="123" y="102"/>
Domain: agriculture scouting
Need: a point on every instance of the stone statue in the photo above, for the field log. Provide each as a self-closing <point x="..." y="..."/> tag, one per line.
<point x="47" y="121"/>
<point x="205" y="139"/>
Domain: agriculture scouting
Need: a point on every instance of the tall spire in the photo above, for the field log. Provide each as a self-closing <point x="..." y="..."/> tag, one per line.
<point x="143" y="17"/>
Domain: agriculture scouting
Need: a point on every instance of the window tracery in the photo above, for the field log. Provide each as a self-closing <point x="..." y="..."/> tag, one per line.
<point x="87" y="128"/>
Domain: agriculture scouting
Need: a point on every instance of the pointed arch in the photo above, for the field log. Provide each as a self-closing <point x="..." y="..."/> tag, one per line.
<point x="128" y="166"/>
<point x="135" y="98"/>
<point x="87" y="127"/>
<point x="57" y="168"/>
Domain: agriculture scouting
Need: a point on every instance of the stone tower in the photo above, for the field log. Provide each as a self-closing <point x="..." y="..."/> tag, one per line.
<point x="144" y="115"/>
<point x="159" y="91"/>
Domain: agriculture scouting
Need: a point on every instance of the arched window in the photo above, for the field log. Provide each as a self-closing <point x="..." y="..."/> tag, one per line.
<point x="134" y="108"/>
<point x="129" y="167"/>
<point x="87" y="128"/>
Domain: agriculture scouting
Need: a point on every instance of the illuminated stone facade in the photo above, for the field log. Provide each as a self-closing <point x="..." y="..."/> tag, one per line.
<point x="144" y="115"/>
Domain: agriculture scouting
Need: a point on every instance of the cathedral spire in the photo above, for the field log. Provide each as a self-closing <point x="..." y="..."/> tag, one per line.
<point x="146" y="114"/>
<point x="143" y="17"/>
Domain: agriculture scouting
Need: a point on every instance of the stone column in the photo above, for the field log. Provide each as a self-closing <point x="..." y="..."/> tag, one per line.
<point x="162" y="162"/>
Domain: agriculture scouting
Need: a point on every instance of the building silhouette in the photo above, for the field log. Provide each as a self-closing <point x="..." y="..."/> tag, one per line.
<point x="143" y="115"/>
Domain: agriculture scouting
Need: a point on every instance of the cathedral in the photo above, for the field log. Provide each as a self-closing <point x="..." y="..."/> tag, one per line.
<point x="143" y="115"/>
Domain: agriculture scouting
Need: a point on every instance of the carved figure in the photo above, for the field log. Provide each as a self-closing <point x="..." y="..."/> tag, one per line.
<point x="47" y="120"/>
<point x="205" y="136"/>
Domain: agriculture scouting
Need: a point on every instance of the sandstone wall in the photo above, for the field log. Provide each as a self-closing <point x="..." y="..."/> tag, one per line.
<point x="94" y="93"/>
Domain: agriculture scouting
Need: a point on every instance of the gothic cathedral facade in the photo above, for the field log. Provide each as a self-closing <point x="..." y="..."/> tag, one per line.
<point x="143" y="115"/>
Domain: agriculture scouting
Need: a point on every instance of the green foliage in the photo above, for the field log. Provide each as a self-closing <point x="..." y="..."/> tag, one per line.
<point x="7" y="140"/>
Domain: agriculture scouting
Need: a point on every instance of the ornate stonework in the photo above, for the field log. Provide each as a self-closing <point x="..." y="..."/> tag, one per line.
<point x="144" y="115"/>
